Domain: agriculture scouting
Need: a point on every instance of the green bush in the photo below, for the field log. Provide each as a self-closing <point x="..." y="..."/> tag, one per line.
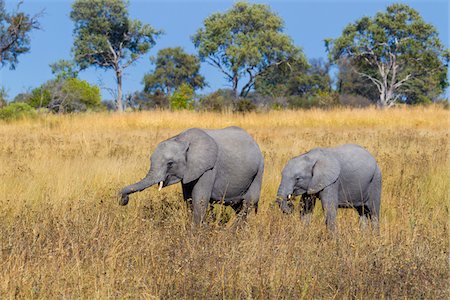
<point x="16" y="111"/>
<point x="183" y="98"/>
<point x="65" y="95"/>
<point x="40" y="97"/>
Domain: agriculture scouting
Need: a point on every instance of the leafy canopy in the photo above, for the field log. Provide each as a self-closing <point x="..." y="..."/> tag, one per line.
<point x="64" y="69"/>
<point x="243" y="42"/>
<point x="395" y="50"/>
<point x="173" y="67"/>
<point x="297" y="77"/>
<point x="106" y="37"/>
<point x="14" y="34"/>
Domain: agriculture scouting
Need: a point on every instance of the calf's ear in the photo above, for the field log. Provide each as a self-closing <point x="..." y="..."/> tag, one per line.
<point x="325" y="172"/>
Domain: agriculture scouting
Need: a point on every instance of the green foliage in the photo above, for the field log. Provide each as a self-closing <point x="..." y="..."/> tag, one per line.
<point x="104" y="34"/>
<point x="397" y="51"/>
<point x="243" y="42"/>
<point x="277" y="80"/>
<point x="173" y="68"/>
<point x="70" y="95"/>
<point x="182" y="98"/>
<point x="64" y="69"/>
<point x="218" y="101"/>
<point x="16" y="111"/>
<point x="107" y="38"/>
<point x="82" y="91"/>
<point x="351" y="83"/>
<point x="40" y="97"/>
<point x="15" y="28"/>
<point x="303" y="85"/>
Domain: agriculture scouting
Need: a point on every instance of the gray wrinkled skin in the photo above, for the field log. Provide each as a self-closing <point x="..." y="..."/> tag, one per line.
<point x="224" y="165"/>
<point x="346" y="176"/>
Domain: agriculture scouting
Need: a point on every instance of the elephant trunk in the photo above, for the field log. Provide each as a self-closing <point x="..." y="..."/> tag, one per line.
<point x="146" y="182"/>
<point x="284" y="196"/>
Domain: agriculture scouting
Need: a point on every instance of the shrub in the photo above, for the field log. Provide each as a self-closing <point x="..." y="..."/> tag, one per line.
<point x="182" y="98"/>
<point x="65" y="95"/>
<point x="244" y="106"/>
<point x="216" y="101"/>
<point x="16" y="111"/>
<point x="40" y="97"/>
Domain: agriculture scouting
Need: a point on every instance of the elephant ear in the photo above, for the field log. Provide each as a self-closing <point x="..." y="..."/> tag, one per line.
<point x="325" y="171"/>
<point x="201" y="153"/>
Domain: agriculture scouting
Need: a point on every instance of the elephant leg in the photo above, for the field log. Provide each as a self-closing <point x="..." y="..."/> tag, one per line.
<point x="251" y="197"/>
<point x="308" y="203"/>
<point x="201" y="194"/>
<point x="374" y="199"/>
<point x="363" y="212"/>
<point x="329" y="199"/>
<point x="187" y="194"/>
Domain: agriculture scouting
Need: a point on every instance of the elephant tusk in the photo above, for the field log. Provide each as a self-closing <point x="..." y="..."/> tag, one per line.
<point x="160" y="186"/>
<point x="289" y="196"/>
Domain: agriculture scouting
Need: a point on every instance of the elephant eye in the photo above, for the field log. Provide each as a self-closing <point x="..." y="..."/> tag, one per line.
<point x="170" y="164"/>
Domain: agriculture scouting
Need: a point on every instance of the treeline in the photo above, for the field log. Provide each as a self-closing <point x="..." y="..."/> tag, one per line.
<point x="392" y="57"/>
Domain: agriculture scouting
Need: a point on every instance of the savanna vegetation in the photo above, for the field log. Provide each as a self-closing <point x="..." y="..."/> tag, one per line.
<point x="392" y="57"/>
<point x="63" y="234"/>
<point x="64" y="156"/>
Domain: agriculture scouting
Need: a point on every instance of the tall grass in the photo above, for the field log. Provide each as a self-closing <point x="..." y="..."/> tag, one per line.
<point x="63" y="235"/>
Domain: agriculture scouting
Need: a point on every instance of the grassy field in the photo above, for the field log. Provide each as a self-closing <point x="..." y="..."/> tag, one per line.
<point x="63" y="234"/>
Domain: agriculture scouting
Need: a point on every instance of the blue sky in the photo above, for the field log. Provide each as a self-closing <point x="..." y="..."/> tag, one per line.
<point x="308" y="22"/>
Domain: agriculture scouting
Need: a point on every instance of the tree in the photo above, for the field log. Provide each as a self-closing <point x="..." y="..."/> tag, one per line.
<point x="64" y="69"/>
<point x="244" y="42"/>
<point x="107" y="38"/>
<point x="394" y="49"/>
<point x="14" y="34"/>
<point x="173" y="68"/>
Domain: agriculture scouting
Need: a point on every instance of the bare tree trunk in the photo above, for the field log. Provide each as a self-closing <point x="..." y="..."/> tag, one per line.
<point x="235" y="86"/>
<point x="119" y="104"/>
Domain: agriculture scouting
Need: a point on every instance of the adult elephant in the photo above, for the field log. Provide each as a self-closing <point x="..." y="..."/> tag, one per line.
<point x="224" y="165"/>
<point x="346" y="176"/>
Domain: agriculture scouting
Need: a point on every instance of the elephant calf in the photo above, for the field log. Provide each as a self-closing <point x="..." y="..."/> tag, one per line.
<point x="224" y="165"/>
<point x="346" y="176"/>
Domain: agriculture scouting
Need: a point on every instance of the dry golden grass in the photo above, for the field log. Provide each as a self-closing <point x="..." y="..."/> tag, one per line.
<point x="63" y="234"/>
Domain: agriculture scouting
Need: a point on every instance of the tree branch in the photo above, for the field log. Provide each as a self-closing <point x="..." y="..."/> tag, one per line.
<point x="401" y="82"/>
<point x="215" y="63"/>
